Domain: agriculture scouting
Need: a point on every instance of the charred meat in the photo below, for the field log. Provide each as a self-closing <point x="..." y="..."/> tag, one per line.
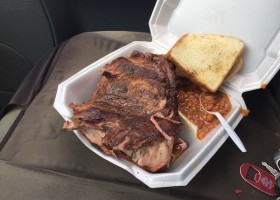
<point x="133" y="112"/>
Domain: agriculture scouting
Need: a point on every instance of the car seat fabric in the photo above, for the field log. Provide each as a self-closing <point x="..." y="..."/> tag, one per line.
<point x="24" y="25"/>
<point x="12" y="112"/>
<point x="25" y="36"/>
<point x="54" y="164"/>
<point x="14" y="68"/>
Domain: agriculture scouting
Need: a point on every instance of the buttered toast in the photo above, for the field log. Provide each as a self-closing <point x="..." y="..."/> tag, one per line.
<point x="207" y="59"/>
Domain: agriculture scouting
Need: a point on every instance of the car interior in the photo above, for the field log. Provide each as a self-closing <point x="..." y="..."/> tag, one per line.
<point x="42" y="43"/>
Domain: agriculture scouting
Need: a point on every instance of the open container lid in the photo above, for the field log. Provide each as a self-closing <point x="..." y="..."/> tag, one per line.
<point x="256" y="23"/>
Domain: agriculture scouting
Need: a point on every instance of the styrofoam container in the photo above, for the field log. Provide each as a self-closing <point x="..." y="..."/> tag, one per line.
<point x="256" y="23"/>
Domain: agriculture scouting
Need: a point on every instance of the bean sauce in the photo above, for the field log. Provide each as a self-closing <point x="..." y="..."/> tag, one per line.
<point x="189" y="106"/>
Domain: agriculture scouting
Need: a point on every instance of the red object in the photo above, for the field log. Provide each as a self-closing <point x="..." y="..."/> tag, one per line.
<point x="262" y="180"/>
<point x="238" y="191"/>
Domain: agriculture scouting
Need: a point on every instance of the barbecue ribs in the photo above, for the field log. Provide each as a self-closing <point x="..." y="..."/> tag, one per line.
<point x="133" y="112"/>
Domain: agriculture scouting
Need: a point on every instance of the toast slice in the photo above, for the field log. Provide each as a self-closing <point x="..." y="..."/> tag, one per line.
<point x="234" y="70"/>
<point x="207" y="59"/>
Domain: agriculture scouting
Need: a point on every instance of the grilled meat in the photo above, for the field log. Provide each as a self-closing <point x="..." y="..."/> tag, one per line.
<point x="133" y="112"/>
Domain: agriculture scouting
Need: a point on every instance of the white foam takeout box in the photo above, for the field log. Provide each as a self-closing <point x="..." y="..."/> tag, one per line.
<point x="256" y="23"/>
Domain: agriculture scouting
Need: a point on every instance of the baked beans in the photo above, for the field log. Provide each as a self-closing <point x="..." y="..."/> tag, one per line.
<point x="189" y="106"/>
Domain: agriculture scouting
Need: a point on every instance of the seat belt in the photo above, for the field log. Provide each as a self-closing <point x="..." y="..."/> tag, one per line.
<point x="8" y="120"/>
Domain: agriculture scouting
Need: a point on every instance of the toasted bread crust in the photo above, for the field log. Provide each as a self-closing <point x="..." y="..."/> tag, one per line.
<point x="235" y="69"/>
<point x="206" y="59"/>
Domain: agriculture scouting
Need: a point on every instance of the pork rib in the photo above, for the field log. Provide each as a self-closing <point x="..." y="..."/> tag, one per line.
<point x="133" y="112"/>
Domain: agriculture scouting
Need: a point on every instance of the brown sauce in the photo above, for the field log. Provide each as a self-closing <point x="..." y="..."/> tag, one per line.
<point x="189" y="106"/>
<point x="178" y="148"/>
<point x="263" y="86"/>
<point x="244" y="112"/>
